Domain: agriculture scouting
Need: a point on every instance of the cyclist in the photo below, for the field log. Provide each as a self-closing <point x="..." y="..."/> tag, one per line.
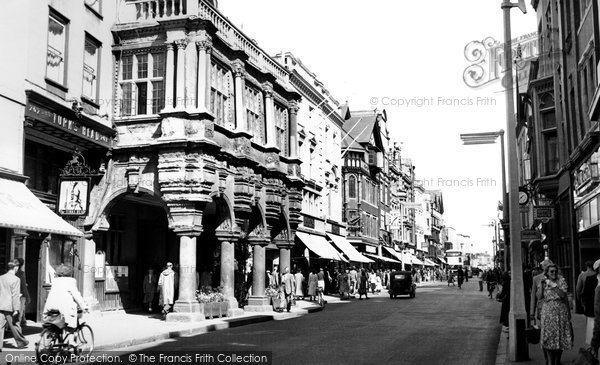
<point x="64" y="297"/>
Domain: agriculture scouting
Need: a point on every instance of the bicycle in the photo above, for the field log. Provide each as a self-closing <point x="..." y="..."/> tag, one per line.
<point x="56" y="342"/>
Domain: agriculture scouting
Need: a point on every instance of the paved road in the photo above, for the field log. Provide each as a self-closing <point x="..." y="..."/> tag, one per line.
<point x="440" y="326"/>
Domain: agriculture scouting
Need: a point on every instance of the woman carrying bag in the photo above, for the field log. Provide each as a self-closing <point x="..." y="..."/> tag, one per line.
<point x="556" y="328"/>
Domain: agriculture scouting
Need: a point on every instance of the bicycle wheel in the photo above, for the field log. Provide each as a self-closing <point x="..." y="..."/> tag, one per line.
<point x="45" y="348"/>
<point x="85" y="338"/>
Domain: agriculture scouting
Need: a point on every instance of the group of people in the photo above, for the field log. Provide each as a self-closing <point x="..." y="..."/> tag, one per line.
<point x="353" y="280"/>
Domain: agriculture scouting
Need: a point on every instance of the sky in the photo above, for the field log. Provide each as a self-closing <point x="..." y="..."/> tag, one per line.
<point x="407" y="57"/>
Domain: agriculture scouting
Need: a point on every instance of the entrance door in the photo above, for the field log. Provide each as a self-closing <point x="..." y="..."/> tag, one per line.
<point x="32" y="259"/>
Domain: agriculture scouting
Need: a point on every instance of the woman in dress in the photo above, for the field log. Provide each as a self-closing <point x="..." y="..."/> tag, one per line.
<point x="362" y="285"/>
<point x="343" y="286"/>
<point x="312" y="284"/>
<point x="299" y="278"/>
<point x="555" y="315"/>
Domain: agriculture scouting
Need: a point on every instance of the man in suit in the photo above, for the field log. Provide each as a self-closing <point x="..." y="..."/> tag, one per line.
<point x="10" y="305"/>
<point x="288" y="281"/>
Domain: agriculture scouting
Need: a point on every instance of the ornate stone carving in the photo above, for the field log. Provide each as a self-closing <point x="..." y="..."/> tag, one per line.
<point x="293" y="107"/>
<point x="204" y="45"/>
<point x="243" y="192"/>
<point x="209" y="129"/>
<point x="181" y="43"/>
<point x="272" y="160"/>
<point x="241" y="146"/>
<point x="267" y="88"/>
<point x="239" y="69"/>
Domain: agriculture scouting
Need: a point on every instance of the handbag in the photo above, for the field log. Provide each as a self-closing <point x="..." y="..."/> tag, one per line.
<point x="533" y="335"/>
<point x="585" y="357"/>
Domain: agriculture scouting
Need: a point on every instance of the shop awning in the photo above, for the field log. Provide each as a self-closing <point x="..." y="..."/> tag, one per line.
<point x="415" y="260"/>
<point x="20" y="209"/>
<point x="428" y="262"/>
<point x="320" y="246"/>
<point x="393" y="252"/>
<point x="381" y="258"/>
<point x="348" y="249"/>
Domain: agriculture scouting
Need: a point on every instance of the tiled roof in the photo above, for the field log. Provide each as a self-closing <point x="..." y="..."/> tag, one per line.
<point x="359" y="129"/>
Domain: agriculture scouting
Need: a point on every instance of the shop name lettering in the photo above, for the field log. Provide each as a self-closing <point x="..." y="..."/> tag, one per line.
<point x="66" y="123"/>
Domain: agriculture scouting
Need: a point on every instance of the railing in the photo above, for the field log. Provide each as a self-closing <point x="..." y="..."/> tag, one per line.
<point x="158" y="9"/>
<point x="236" y="39"/>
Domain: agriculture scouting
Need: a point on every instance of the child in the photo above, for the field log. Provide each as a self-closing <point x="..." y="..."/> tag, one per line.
<point x="279" y="305"/>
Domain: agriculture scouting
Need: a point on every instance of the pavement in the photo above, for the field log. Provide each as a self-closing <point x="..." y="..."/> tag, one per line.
<point x="536" y="354"/>
<point x="118" y="329"/>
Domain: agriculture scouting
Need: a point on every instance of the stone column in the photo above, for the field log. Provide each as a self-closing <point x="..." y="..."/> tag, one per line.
<point x="191" y="58"/>
<point x="187" y="308"/>
<point x="169" y="78"/>
<point x="241" y="124"/>
<point x="180" y="87"/>
<point x="293" y="131"/>
<point x="204" y="66"/>
<point x="284" y="259"/>
<point x="88" y="263"/>
<point x="270" y="116"/>
<point x="258" y="302"/>
<point x="228" y="240"/>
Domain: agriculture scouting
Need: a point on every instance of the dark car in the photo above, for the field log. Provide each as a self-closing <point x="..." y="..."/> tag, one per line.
<point x="401" y="283"/>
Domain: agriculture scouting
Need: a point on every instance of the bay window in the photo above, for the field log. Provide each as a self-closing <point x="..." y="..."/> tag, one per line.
<point x="253" y="101"/>
<point x="221" y="92"/>
<point x="142" y="83"/>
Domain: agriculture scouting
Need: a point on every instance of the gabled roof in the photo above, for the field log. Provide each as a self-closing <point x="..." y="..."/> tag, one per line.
<point x="360" y="129"/>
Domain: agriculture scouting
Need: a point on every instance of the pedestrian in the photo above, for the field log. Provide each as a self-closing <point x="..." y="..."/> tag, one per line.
<point x="328" y="283"/>
<point x="65" y="297"/>
<point x="584" y="294"/>
<point x="149" y="286"/>
<point x="25" y="297"/>
<point x="491" y="283"/>
<point x="466" y="274"/>
<point x="275" y="275"/>
<point x="280" y="302"/>
<point x="555" y="315"/>
<point x="372" y="281"/>
<point x="362" y="285"/>
<point x="288" y="281"/>
<point x="480" y="277"/>
<point x="535" y="305"/>
<point x="313" y="282"/>
<point x="460" y="275"/>
<point x="299" y="278"/>
<point x="450" y="278"/>
<point x="504" y="297"/>
<point x="167" y="283"/>
<point x="343" y="286"/>
<point x="378" y="286"/>
<point x="10" y="305"/>
<point x="353" y="276"/>
<point x="321" y="280"/>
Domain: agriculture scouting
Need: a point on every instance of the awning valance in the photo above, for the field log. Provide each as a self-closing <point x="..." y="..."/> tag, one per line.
<point x="393" y="252"/>
<point x="348" y="249"/>
<point x="430" y="263"/>
<point x="20" y="209"/>
<point x="381" y="258"/>
<point x="320" y="246"/>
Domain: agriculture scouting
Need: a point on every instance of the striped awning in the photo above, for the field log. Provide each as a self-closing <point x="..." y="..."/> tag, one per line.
<point x="393" y="252"/>
<point x="348" y="249"/>
<point x="20" y="209"/>
<point x="382" y="258"/>
<point x="320" y="246"/>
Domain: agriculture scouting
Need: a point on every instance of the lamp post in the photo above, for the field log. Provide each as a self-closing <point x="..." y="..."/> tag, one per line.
<point x="518" y="349"/>
<point x="490" y="138"/>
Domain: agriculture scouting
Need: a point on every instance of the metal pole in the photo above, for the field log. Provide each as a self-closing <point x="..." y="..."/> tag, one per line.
<point x="505" y="203"/>
<point x="518" y="349"/>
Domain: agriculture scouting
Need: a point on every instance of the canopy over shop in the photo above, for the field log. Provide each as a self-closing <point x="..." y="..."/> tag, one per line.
<point x="346" y="247"/>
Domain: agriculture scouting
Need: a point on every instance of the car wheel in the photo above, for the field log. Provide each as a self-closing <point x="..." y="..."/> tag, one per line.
<point x="391" y="296"/>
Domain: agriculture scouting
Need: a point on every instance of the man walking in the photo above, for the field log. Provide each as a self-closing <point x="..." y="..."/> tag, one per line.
<point x="10" y="305"/>
<point x="167" y="283"/>
<point x="353" y="277"/>
<point x="584" y="294"/>
<point x="288" y="281"/>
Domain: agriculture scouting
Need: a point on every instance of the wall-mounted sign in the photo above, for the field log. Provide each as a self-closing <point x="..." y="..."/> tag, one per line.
<point x="99" y="265"/>
<point x="37" y="112"/>
<point x="370" y="249"/>
<point x="73" y="196"/>
<point x="543" y="213"/>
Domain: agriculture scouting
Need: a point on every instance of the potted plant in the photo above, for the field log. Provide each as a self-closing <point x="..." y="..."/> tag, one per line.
<point x="212" y="301"/>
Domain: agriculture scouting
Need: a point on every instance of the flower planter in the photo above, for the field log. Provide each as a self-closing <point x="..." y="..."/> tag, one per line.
<point x="215" y="310"/>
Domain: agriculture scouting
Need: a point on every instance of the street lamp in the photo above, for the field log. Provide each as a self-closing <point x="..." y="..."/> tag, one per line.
<point x="490" y="138"/>
<point x="518" y="349"/>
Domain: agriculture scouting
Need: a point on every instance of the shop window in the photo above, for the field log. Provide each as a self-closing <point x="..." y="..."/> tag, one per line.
<point x="57" y="44"/>
<point x="142" y="84"/>
<point x="221" y="85"/>
<point x="91" y="64"/>
<point x="42" y="166"/>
